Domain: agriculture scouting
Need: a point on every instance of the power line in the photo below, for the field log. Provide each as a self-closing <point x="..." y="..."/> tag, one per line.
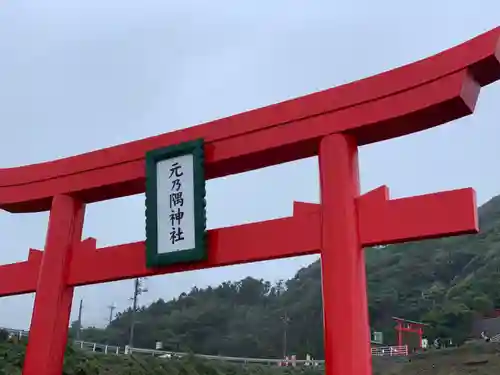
<point x="111" y="308"/>
<point x="138" y="290"/>
<point x="285" y="320"/>
<point x="79" y="328"/>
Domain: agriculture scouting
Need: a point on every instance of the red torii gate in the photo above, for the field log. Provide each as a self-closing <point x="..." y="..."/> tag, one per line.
<point x="405" y="325"/>
<point x="330" y="124"/>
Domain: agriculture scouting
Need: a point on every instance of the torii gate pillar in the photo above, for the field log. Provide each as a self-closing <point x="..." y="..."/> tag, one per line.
<point x="342" y="260"/>
<point x="52" y="308"/>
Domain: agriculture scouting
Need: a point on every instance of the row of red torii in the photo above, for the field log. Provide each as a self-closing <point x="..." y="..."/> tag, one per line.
<point x="331" y="124"/>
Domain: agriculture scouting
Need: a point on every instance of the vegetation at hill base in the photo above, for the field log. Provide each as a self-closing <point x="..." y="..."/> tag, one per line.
<point x="478" y="358"/>
<point x="444" y="282"/>
<point x="77" y="362"/>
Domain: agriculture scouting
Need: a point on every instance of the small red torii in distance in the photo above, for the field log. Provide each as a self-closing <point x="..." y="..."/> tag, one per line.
<point x="330" y="124"/>
<point x="405" y="325"/>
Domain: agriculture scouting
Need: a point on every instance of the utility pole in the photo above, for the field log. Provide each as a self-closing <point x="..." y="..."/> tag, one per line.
<point x="285" y="320"/>
<point x="138" y="290"/>
<point x="79" y="330"/>
<point x="111" y="308"/>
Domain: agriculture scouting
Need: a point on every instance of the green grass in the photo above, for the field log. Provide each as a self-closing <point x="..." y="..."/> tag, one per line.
<point x="77" y="362"/>
<point x="478" y="359"/>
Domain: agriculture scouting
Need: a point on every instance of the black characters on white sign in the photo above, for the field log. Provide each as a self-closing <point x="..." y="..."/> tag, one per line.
<point x="176" y="203"/>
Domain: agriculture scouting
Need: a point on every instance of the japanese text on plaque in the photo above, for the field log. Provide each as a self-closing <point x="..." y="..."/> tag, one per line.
<point x="176" y="203"/>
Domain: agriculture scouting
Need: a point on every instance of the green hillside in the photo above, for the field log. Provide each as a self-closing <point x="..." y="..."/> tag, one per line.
<point x="444" y="282"/>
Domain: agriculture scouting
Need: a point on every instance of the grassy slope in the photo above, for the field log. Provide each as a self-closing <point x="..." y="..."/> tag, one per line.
<point x="478" y="359"/>
<point x="81" y="363"/>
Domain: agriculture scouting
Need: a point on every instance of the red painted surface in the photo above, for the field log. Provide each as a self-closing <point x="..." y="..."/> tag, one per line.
<point x="383" y="221"/>
<point x="403" y="325"/>
<point x="414" y="97"/>
<point x="345" y="311"/>
<point x="285" y="238"/>
<point x="332" y="123"/>
<point x="49" y="323"/>
<point x="12" y="284"/>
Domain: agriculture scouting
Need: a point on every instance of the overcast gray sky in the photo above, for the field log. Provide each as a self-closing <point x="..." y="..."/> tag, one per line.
<point x="77" y="76"/>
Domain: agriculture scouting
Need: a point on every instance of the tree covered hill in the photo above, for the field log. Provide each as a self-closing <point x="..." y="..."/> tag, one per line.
<point x="445" y="282"/>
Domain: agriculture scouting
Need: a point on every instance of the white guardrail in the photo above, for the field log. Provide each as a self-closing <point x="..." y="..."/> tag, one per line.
<point x="390" y="351"/>
<point x="116" y="350"/>
<point x="495" y="338"/>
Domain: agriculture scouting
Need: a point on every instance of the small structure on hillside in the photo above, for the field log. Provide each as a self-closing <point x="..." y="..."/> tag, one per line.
<point x="377" y="338"/>
<point x="410" y="333"/>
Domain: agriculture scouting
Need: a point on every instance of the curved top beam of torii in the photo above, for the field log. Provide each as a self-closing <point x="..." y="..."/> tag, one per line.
<point x="408" y="99"/>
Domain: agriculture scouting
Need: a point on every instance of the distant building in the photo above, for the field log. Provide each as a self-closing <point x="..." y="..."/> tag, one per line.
<point x="377" y="339"/>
